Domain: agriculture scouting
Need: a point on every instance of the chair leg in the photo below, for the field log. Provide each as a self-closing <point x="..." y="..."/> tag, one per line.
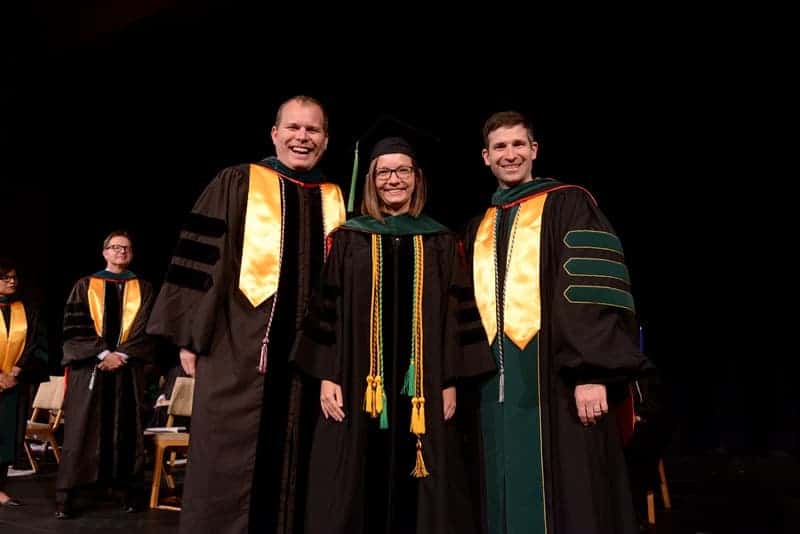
<point x="31" y="460"/>
<point x="171" y="463"/>
<point x="56" y="451"/>
<point x="157" y="470"/>
<point x="664" y="487"/>
<point x="651" y="508"/>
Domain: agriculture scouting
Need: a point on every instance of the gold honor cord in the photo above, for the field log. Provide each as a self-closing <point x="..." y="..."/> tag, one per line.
<point x="12" y="337"/>
<point x="522" y="307"/>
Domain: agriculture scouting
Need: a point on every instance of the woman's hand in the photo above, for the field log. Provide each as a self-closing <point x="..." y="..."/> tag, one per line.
<point x="449" y="402"/>
<point x="330" y="398"/>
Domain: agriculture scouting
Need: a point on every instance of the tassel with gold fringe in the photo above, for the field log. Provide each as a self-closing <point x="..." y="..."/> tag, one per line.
<point x="369" y="396"/>
<point x="416" y="367"/>
<point x="418" y="415"/>
<point x="420" y="471"/>
<point x="375" y="402"/>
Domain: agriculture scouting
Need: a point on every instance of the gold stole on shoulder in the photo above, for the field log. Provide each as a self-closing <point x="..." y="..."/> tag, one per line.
<point x="522" y="310"/>
<point x="12" y="337"/>
<point x="263" y="231"/>
<point x="131" y="301"/>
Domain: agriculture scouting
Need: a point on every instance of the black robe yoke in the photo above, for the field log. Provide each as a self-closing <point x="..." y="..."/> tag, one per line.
<point x="246" y="448"/>
<point x="584" y="338"/>
<point x="360" y="476"/>
<point x="103" y="430"/>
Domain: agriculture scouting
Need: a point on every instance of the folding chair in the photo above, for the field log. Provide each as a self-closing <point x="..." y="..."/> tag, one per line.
<point x="180" y="405"/>
<point x="49" y="399"/>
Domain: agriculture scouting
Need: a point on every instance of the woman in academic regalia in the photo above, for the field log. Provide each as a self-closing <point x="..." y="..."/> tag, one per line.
<point x="389" y="334"/>
<point x="23" y="363"/>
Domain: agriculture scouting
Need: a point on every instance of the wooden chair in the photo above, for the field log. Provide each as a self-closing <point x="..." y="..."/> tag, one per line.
<point x="651" y="501"/>
<point x="49" y="399"/>
<point x="180" y="405"/>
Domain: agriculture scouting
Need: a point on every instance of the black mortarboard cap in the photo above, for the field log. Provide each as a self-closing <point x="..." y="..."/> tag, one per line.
<point x="389" y="135"/>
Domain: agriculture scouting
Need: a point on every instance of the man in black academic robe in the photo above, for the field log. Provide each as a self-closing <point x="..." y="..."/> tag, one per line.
<point x="105" y="349"/>
<point x="234" y="295"/>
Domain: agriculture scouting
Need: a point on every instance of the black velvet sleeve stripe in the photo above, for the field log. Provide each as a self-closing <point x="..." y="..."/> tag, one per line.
<point x="77" y="320"/>
<point x="204" y="225"/>
<point x="468" y="315"/>
<point x="75" y="307"/>
<point x="78" y="331"/>
<point x="472" y="336"/>
<point x="196" y="251"/>
<point x="189" y="278"/>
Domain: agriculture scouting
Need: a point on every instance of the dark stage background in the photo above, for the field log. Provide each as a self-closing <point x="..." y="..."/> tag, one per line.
<point x="117" y="117"/>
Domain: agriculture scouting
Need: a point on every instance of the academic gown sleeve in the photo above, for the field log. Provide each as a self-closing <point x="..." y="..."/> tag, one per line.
<point x="202" y="267"/>
<point x="33" y="362"/>
<point x="315" y="348"/>
<point x="595" y="330"/>
<point x="466" y="351"/>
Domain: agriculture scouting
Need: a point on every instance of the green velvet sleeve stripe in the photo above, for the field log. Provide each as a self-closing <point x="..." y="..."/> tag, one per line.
<point x="608" y="296"/>
<point x="597" y="267"/>
<point x="593" y="239"/>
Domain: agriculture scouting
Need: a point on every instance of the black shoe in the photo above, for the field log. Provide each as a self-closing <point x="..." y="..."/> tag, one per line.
<point x="11" y="503"/>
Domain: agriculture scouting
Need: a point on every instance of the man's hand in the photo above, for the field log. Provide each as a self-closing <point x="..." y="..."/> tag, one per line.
<point x="188" y="361"/>
<point x="111" y="362"/>
<point x="590" y="399"/>
<point x="330" y="398"/>
<point x="7" y="381"/>
<point x="449" y="402"/>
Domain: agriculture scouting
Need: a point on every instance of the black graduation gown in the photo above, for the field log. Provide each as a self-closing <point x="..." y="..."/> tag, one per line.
<point x="15" y="403"/>
<point x="247" y="445"/>
<point x="103" y="429"/>
<point x="360" y="476"/>
<point x="584" y="481"/>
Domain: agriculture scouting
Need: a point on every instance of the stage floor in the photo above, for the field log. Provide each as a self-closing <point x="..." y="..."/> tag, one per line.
<point x="714" y="493"/>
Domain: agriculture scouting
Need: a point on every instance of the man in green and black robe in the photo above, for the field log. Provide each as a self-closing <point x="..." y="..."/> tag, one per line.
<point x="554" y="298"/>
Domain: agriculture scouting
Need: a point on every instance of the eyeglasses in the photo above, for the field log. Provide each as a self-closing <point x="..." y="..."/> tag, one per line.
<point x="119" y="248"/>
<point x="9" y="277"/>
<point x="404" y="173"/>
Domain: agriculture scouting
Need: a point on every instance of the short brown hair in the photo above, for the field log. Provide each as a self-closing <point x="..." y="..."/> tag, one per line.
<point x="371" y="202"/>
<point x="117" y="233"/>
<point x="306" y="100"/>
<point x="505" y="119"/>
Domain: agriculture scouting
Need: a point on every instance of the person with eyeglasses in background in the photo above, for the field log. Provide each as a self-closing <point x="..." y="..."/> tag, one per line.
<point x="105" y="349"/>
<point x="23" y="363"/>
